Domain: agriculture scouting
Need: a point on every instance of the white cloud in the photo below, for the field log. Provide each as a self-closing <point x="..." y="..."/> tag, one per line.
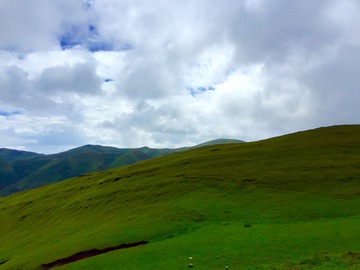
<point x="173" y="73"/>
<point x="345" y="18"/>
<point x="80" y="78"/>
<point x="36" y="25"/>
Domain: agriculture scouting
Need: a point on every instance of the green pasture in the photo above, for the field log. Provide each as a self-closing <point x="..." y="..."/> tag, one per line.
<point x="290" y="202"/>
<point x="261" y="246"/>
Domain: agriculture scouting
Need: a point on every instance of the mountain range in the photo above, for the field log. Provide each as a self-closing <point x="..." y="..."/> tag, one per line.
<point x="22" y="170"/>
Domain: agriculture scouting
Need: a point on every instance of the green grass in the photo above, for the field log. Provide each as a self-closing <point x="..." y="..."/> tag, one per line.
<point x="217" y="245"/>
<point x="298" y="195"/>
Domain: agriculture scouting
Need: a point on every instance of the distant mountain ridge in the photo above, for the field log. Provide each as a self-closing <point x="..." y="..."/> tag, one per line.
<point x="11" y="154"/>
<point x="23" y="170"/>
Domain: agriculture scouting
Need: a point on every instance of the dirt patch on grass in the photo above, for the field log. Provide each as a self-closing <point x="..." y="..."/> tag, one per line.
<point x="90" y="253"/>
<point x="2" y="262"/>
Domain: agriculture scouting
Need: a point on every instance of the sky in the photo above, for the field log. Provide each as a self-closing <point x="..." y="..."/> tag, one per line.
<point x="171" y="73"/>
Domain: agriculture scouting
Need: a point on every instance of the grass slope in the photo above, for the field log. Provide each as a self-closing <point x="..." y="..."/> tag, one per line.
<point x="130" y="157"/>
<point x="290" y="202"/>
<point x="20" y="170"/>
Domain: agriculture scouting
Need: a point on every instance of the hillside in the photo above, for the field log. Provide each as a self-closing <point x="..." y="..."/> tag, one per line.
<point x="37" y="170"/>
<point x="21" y="170"/>
<point x="290" y="202"/>
<point x="10" y="154"/>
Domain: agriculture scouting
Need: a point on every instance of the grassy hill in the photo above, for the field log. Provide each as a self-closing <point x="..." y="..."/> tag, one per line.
<point x="290" y="202"/>
<point x="37" y="170"/>
<point x="21" y="170"/>
<point x="10" y="154"/>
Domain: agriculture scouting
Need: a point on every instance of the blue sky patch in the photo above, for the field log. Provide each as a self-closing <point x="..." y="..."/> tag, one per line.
<point x="66" y="42"/>
<point x="195" y="91"/>
<point x="86" y="36"/>
<point x="72" y="37"/>
<point x="96" y="46"/>
<point x="4" y="113"/>
<point x="92" y="28"/>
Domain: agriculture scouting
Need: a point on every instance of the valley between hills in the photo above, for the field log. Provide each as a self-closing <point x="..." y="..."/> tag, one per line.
<point x="290" y="202"/>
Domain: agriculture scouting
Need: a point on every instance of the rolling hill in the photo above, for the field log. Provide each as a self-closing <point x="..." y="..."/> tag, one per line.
<point x="290" y="202"/>
<point x="21" y="170"/>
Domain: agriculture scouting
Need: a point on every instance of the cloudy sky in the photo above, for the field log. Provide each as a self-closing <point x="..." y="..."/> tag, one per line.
<point x="170" y="73"/>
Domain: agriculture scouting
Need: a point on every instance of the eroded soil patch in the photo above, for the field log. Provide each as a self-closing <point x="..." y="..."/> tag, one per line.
<point x="90" y="253"/>
<point x="2" y="262"/>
